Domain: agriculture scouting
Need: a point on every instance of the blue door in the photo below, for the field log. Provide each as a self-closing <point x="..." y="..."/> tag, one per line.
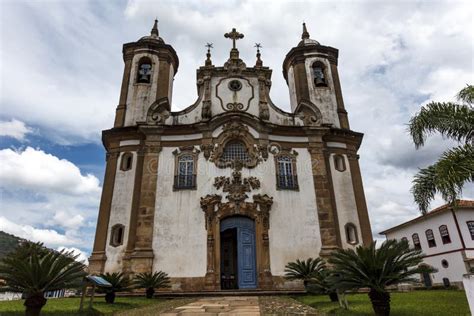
<point x="246" y="262"/>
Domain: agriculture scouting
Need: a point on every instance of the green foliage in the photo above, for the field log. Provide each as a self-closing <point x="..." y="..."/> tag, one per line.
<point x="155" y="280"/>
<point x="321" y="282"/>
<point x="368" y="267"/>
<point x="8" y="243"/>
<point x="456" y="166"/>
<point x="33" y="270"/>
<point x="447" y="176"/>
<point x="70" y="306"/>
<point x="304" y="270"/>
<point x="419" y="303"/>
<point x="118" y="280"/>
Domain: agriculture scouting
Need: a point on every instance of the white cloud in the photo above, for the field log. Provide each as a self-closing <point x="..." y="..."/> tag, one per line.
<point x="394" y="56"/>
<point x="47" y="199"/>
<point x="82" y="256"/>
<point x="36" y="170"/>
<point x="15" y="129"/>
<point x="49" y="237"/>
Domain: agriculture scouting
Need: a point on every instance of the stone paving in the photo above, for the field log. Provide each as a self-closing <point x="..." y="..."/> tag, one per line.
<point x="243" y="305"/>
<point x="219" y="306"/>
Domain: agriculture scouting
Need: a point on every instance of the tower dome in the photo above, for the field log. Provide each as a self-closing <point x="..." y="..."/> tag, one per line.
<point x="154" y="35"/>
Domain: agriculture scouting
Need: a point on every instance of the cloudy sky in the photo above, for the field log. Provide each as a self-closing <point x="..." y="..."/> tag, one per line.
<point x="61" y="68"/>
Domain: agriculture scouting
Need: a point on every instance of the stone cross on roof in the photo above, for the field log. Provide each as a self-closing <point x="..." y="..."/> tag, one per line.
<point x="234" y="35"/>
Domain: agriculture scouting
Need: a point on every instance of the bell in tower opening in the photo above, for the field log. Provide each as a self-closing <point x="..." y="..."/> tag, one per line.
<point x="318" y="73"/>
<point x="144" y="71"/>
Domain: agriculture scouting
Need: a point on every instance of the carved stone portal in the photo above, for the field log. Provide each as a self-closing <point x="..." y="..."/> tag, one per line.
<point x="215" y="211"/>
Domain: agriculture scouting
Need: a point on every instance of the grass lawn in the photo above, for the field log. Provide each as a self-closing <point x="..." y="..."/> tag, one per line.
<point x="420" y="303"/>
<point x="70" y="306"/>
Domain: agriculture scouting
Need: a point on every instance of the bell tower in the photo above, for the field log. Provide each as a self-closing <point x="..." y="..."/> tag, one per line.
<point x="150" y="66"/>
<point x="310" y="70"/>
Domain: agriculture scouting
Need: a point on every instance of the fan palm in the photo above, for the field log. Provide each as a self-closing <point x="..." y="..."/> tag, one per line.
<point x="119" y="283"/>
<point x="40" y="271"/>
<point x="151" y="281"/>
<point x="456" y="166"/>
<point x="304" y="270"/>
<point x="368" y="267"/>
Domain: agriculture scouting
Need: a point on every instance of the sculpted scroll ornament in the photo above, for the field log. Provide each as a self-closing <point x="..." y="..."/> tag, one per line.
<point x="236" y="186"/>
<point x="235" y="131"/>
<point x="158" y="112"/>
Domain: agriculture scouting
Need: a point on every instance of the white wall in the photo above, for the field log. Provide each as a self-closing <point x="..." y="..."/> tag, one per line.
<point x="179" y="226"/>
<point x="140" y="95"/>
<point x="451" y="252"/>
<point x="463" y="216"/>
<point x="323" y="98"/>
<point x="120" y="213"/>
<point x="345" y="200"/>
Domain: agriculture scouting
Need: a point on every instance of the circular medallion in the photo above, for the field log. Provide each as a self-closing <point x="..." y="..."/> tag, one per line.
<point x="235" y="85"/>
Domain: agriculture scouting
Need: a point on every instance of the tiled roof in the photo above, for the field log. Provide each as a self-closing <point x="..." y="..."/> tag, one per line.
<point x="442" y="208"/>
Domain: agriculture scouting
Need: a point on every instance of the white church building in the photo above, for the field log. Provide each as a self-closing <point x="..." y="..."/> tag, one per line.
<point x="446" y="237"/>
<point x="223" y="194"/>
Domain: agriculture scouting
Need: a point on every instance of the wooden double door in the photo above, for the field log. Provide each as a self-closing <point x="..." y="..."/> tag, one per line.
<point x="238" y="254"/>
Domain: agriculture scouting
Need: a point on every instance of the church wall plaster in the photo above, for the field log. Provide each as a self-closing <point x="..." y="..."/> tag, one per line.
<point x="121" y="206"/>
<point x="292" y="89"/>
<point x="324" y="98"/>
<point x="295" y="216"/>
<point x="293" y="221"/>
<point x="345" y="200"/>
<point x="287" y="138"/>
<point x="141" y="95"/>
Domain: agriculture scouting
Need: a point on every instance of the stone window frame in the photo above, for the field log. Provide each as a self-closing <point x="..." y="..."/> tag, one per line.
<point x="470" y="227"/>
<point x="444" y="233"/>
<point x="290" y="154"/>
<point x="348" y="238"/>
<point x="339" y="158"/>
<point x="416" y="241"/>
<point x="320" y="64"/>
<point x="235" y="130"/>
<point x="430" y="238"/>
<point x="117" y="233"/>
<point x="179" y="153"/>
<point x="126" y="161"/>
<point x="141" y="61"/>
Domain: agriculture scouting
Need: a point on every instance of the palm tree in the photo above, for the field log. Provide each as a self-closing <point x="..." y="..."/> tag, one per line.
<point x="455" y="166"/>
<point x="119" y="283"/>
<point x="39" y="271"/>
<point x="322" y="283"/>
<point x="368" y="267"/>
<point x="304" y="270"/>
<point x="151" y="281"/>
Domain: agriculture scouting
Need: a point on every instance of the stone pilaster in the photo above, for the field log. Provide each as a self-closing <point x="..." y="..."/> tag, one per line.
<point x="325" y="203"/>
<point x="361" y="204"/>
<point x="98" y="257"/>
<point x="141" y="257"/>
<point x="122" y="107"/>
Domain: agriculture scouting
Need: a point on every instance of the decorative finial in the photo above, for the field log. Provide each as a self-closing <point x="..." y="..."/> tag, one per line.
<point x="305" y="34"/>
<point x="154" y="30"/>
<point x="259" y="62"/>
<point x="208" y="60"/>
<point x="234" y="35"/>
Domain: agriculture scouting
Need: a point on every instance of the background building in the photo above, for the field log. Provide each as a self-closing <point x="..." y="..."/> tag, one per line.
<point x="446" y="236"/>
<point x="223" y="194"/>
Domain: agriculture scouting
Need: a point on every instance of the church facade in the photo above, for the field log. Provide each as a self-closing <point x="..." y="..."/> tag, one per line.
<point x="223" y="194"/>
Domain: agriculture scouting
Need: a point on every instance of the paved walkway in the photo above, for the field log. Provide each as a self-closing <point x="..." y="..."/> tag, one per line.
<point x="219" y="306"/>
